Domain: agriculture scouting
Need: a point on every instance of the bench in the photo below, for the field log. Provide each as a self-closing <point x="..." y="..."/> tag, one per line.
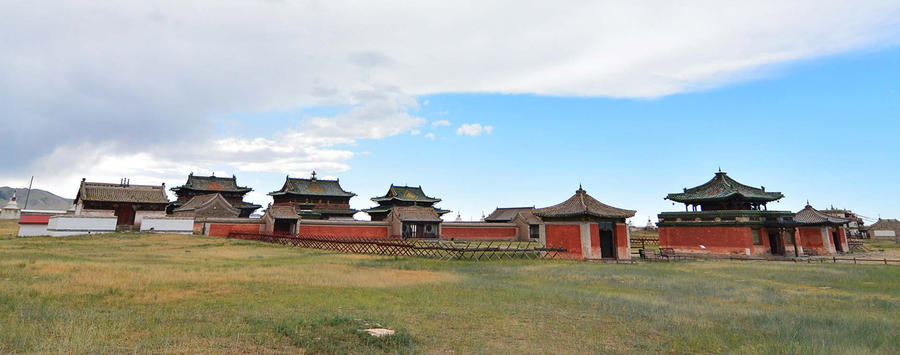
<point x="667" y="253"/>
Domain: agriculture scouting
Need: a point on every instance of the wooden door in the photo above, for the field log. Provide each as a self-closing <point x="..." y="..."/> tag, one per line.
<point x="777" y="247"/>
<point x="607" y="244"/>
<point x="125" y="215"/>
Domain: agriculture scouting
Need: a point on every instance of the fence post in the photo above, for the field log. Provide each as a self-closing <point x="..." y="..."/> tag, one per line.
<point x="885" y="261"/>
<point x="854" y="260"/>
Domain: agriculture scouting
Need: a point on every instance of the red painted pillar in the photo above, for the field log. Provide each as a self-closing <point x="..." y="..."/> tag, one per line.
<point x="623" y="247"/>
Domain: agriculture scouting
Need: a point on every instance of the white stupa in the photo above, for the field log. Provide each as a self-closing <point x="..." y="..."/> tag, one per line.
<point x="11" y="210"/>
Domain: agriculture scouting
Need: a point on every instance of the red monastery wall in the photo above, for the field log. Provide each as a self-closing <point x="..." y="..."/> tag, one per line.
<point x="716" y="239"/>
<point x="347" y="231"/>
<point x="478" y="233"/>
<point x="222" y="230"/>
<point x="811" y="240"/>
<point x="565" y="236"/>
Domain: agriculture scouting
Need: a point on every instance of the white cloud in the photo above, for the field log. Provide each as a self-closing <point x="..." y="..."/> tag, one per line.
<point x="440" y="123"/>
<point x="429" y="135"/>
<point x="474" y="129"/>
<point x="131" y="80"/>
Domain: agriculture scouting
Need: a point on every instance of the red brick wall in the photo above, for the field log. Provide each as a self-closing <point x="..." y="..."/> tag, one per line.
<point x="716" y="239"/>
<point x="478" y="233"/>
<point x="222" y="230"/>
<point x="344" y="231"/>
<point x="565" y="236"/>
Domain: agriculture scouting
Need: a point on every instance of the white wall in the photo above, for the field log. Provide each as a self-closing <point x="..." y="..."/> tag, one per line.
<point x="61" y="226"/>
<point x="32" y="230"/>
<point x="140" y="215"/>
<point x="10" y="213"/>
<point x="168" y="225"/>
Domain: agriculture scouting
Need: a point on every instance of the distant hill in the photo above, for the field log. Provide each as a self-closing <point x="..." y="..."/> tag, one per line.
<point x="39" y="199"/>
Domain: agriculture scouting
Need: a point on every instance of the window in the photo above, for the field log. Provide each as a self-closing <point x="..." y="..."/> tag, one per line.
<point x="534" y="231"/>
<point x="756" y="239"/>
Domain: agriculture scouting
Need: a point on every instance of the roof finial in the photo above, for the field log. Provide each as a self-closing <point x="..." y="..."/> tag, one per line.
<point x="807" y="202"/>
<point x="720" y="169"/>
<point x="580" y="189"/>
<point x="313" y="175"/>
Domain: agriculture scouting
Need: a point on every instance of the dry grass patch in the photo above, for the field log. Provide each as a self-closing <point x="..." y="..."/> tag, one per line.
<point x="192" y="294"/>
<point x="8" y="228"/>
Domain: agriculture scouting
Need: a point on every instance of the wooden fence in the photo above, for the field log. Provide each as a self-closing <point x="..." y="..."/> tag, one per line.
<point x="445" y="250"/>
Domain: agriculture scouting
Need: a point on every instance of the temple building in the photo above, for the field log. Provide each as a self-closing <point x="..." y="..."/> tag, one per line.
<point x="11" y="210"/>
<point x="522" y="217"/>
<point x="586" y="228"/>
<point x="732" y="218"/>
<point x="402" y="196"/>
<point x="129" y="203"/>
<point x="819" y="233"/>
<point x="315" y="198"/>
<point x="208" y="185"/>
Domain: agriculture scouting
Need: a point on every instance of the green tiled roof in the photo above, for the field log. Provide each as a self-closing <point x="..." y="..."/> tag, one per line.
<point x="213" y="184"/>
<point x="406" y="193"/>
<point x="312" y="186"/>
<point x="722" y="187"/>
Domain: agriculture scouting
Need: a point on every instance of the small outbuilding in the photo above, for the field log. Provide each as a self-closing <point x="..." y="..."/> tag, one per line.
<point x="523" y="217"/>
<point x="885" y="229"/>
<point x="586" y="228"/>
<point x="128" y="203"/>
<point x="820" y="233"/>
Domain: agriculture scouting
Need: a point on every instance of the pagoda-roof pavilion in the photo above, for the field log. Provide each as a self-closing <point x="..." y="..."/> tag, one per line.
<point x="406" y="194"/>
<point x="723" y="192"/>
<point x="580" y="205"/>
<point x="312" y="186"/>
<point x="212" y="184"/>
<point x="811" y="216"/>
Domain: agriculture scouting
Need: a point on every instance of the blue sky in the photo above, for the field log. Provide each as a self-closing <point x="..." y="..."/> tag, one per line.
<point x="632" y="100"/>
<point x="823" y="130"/>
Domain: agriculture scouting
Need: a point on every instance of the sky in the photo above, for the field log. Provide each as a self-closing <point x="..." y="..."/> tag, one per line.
<point x="483" y="104"/>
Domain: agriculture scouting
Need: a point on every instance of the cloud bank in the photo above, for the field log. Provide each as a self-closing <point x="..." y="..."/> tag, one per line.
<point x="132" y="88"/>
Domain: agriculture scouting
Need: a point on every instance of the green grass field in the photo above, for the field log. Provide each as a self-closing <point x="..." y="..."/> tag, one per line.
<point x="164" y="293"/>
